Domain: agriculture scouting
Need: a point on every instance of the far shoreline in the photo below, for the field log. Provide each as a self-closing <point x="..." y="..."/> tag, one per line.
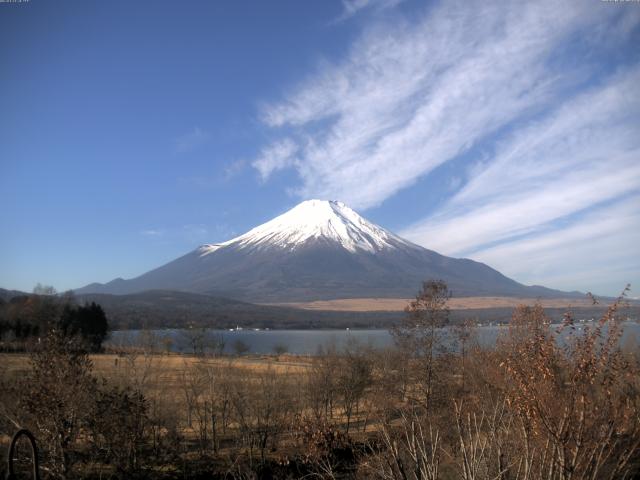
<point x="455" y="303"/>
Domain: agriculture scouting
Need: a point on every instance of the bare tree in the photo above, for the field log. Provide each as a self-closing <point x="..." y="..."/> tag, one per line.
<point x="465" y="337"/>
<point x="354" y="377"/>
<point x="214" y="343"/>
<point x="195" y="339"/>
<point x="59" y="395"/>
<point x="40" y="289"/>
<point x="419" y="334"/>
<point x="263" y="407"/>
<point x="321" y="386"/>
<point x="119" y="428"/>
<point x="280" y="349"/>
<point x="240" y="347"/>
<point x="411" y="450"/>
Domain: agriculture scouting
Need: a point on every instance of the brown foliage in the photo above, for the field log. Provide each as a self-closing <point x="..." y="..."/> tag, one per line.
<point x="58" y="398"/>
<point x="576" y="403"/>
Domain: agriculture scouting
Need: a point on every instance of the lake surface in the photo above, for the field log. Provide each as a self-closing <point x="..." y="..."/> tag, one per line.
<point x="303" y="342"/>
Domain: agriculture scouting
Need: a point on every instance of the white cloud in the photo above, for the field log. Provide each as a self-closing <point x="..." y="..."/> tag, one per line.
<point x="410" y="97"/>
<point x="152" y="232"/>
<point x="518" y="213"/>
<point x="352" y="7"/>
<point x="599" y="252"/>
<point x="190" y="234"/>
<point x="195" y="233"/>
<point x="234" y="169"/>
<point x="192" y="140"/>
<point x="275" y="157"/>
<point x="583" y="154"/>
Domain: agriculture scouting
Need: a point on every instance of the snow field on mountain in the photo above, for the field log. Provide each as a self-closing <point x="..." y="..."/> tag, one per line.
<point x="314" y="219"/>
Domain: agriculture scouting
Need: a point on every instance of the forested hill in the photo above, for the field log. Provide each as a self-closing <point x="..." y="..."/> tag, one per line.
<point x="161" y="308"/>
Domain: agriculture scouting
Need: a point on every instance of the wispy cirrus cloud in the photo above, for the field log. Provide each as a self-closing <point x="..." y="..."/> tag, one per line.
<point x="583" y="154"/>
<point x="560" y="202"/>
<point x="190" y="234"/>
<point x="598" y="252"/>
<point x="191" y="141"/>
<point x="411" y="97"/>
<point x="539" y="88"/>
<point x="233" y="169"/>
<point x="278" y="155"/>
<point x="153" y="232"/>
<point x="353" y="7"/>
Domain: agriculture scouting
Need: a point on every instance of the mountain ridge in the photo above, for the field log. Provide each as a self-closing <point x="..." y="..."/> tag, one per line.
<point x="319" y="250"/>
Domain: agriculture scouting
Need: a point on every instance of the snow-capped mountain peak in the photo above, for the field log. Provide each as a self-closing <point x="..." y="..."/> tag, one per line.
<point x="312" y="220"/>
<point x="318" y="250"/>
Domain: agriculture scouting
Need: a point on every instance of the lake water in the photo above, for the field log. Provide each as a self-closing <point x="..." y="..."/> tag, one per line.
<point x="305" y="342"/>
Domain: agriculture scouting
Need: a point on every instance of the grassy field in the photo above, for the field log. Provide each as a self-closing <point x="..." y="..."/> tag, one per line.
<point x="169" y="367"/>
<point x="466" y="303"/>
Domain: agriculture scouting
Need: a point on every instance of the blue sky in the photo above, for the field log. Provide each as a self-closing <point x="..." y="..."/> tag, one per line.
<point x="507" y="132"/>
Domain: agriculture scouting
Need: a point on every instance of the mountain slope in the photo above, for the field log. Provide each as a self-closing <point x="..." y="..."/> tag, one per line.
<point x="6" y="295"/>
<point x="318" y="250"/>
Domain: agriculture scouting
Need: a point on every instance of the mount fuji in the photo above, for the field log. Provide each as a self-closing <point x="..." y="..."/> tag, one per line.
<point x="318" y="250"/>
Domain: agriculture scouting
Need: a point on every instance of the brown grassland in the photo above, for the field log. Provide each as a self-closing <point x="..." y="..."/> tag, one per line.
<point x="530" y="408"/>
<point x="462" y="303"/>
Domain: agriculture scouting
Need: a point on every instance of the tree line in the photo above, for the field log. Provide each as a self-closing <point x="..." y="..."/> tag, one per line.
<point x="25" y="319"/>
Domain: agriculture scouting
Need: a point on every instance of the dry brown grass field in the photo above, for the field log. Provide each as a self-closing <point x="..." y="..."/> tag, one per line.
<point x="462" y="303"/>
<point x="170" y="366"/>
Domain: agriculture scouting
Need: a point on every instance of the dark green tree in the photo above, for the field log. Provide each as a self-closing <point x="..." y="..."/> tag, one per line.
<point x="87" y="321"/>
